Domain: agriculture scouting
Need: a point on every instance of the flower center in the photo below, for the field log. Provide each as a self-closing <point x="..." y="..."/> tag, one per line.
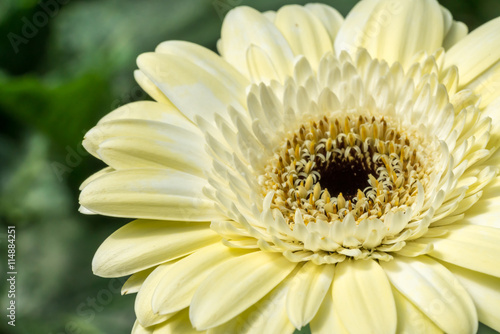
<point x="365" y="166"/>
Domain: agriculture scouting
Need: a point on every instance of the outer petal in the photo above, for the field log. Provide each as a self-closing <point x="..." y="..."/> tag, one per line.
<point x="392" y="30"/>
<point x="175" y="291"/>
<point x="307" y="290"/>
<point x="435" y="291"/>
<point x="235" y="286"/>
<point x="477" y="52"/>
<point x="179" y="323"/>
<point x="411" y="319"/>
<point x="244" y="26"/>
<point x="487" y="210"/>
<point x="304" y="32"/>
<point x="332" y="20"/>
<point x="149" y="194"/>
<point x="327" y="320"/>
<point x="361" y="291"/>
<point x="135" y="281"/>
<point x="266" y="316"/>
<point x="470" y="246"/>
<point x="143" y="309"/>
<point x="193" y="88"/>
<point x="485" y="292"/>
<point x="142" y="244"/>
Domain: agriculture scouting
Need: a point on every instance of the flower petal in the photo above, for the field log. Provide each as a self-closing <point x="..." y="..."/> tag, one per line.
<point x="307" y="290"/>
<point x="266" y="316"/>
<point x="361" y="291"/>
<point x="388" y="30"/>
<point x="327" y="320"/>
<point x="149" y="194"/>
<point x="243" y="27"/>
<point x="332" y="20"/>
<point x="192" y="88"/>
<point x="435" y="291"/>
<point x="142" y="244"/>
<point x="475" y="53"/>
<point x="136" y="152"/>
<point x="143" y="310"/>
<point x="179" y="323"/>
<point x="484" y="291"/>
<point x="470" y="246"/>
<point x="410" y="318"/>
<point x="134" y="282"/>
<point x="235" y="286"/>
<point x="304" y="32"/>
<point x="175" y="291"/>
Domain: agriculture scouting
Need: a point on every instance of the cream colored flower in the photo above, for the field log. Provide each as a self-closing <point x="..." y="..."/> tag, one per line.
<point x="341" y="173"/>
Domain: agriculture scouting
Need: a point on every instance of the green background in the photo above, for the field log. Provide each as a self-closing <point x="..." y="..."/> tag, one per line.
<point x="63" y="67"/>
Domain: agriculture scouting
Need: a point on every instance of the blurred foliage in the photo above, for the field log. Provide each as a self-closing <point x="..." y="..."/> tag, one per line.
<point x="62" y="67"/>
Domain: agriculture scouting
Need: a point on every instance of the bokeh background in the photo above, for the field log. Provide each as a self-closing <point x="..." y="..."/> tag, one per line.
<point x="63" y="65"/>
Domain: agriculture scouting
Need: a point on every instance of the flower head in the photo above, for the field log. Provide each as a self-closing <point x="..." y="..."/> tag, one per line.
<point x="341" y="173"/>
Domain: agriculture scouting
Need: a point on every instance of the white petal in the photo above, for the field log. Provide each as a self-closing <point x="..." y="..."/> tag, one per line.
<point x="235" y="286"/>
<point x="150" y="88"/>
<point x="244" y="26"/>
<point x="476" y="52"/>
<point x="363" y="298"/>
<point x="487" y="210"/>
<point x="307" y="290"/>
<point x="149" y="194"/>
<point x="435" y="291"/>
<point x="471" y="246"/>
<point x="96" y="175"/>
<point x="304" y="32"/>
<point x="484" y="291"/>
<point x="392" y="30"/>
<point x="456" y="33"/>
<point x="175" y="291"/>
<point x="142" y="244"/>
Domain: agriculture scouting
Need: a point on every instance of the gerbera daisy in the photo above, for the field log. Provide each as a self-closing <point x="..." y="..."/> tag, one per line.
<point x="335" y="172"/>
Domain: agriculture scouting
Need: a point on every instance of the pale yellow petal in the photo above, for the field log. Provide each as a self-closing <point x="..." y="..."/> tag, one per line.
<point x="179" y="323"/>
<point x="435" y="291"/>
<point x="362" y="297"/>
<point x="136" y="152"/>
<point x="151" y="111"/>
<point x="304" y="32"/>
<point x="392" y="30"/>
<point x="484" y="291"/>
<point x="307" y="290"/>
<point x="266" y="316"/>
<point x="330" y="18"/>
<point x="96" y="175"/>
<point x="244" y="26"/>
<point x="457" y="32"/>
<point x="149" y="87"/>
<point x="139" y="128"/>
<point x="193" y="89"/>
<point x="327" y="320"/>
<point x="410" y="319"/>
<point x="149" y="194"/>
<point x="235" y="286"/>
<point x="175" y="291"/>
<point x="470" y="246"/>
<point x="135" y="281"/>
<point x="143" y="309"/>
<point x="475" y="53"/>
<point x="142" y="244"/>
<point x="487" y="85"/>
